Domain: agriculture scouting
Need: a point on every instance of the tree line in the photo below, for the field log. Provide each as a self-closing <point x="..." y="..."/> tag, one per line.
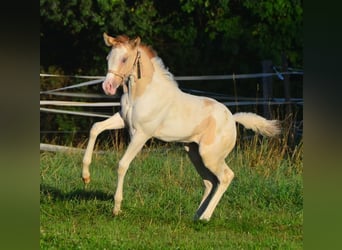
<point x="192" y="36"/>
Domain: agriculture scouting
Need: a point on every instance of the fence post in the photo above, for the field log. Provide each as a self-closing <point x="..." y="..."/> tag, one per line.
<point x="286" y="83"/>
<point x="267" y="86"/>
<point x="287" y="94"/>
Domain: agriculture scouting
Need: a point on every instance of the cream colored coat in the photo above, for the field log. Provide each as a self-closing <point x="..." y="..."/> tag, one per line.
<point x="154" y="106"/>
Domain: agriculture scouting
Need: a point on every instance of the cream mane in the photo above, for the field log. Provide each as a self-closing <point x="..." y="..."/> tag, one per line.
<point x="158" y="64"/>
<point x="162" y="70"/>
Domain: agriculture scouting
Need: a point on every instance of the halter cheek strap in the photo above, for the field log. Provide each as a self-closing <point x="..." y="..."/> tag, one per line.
<point x="137" y="62"/>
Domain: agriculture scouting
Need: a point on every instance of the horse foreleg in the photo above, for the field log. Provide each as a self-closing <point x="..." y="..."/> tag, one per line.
<point x="113" y="122"/>
<point x="136" y="144"/>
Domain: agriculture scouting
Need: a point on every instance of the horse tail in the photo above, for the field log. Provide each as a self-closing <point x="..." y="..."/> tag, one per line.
<point x="258" y="124"/>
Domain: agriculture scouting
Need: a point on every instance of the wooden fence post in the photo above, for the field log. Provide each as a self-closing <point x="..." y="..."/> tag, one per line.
<point x="267" y="86"/>
<point x="286" y="84"/>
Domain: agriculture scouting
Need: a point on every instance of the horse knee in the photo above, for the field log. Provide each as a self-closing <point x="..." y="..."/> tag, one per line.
<point x="94" y="131"/>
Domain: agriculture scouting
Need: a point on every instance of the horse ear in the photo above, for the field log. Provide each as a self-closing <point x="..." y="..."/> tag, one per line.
<point x="109" y="41"/>
<point x="135" y="42"/>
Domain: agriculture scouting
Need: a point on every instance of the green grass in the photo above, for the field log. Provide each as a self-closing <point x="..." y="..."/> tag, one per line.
<point x="262" y="208"/>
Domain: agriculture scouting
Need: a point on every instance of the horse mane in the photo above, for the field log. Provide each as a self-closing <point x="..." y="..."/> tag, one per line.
<point x="158" y="62"/>
<point x="151" y="53"/>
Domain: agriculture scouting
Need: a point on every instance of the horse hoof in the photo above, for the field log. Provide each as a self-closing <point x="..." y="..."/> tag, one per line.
<point x="116" y="212"/>
<point x="86" y="180"/>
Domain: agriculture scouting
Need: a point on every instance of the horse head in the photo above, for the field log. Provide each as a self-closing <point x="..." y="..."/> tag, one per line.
<point x="122" y="60"/>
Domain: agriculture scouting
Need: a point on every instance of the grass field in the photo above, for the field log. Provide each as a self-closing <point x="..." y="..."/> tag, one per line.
<point x="262" y="208"/>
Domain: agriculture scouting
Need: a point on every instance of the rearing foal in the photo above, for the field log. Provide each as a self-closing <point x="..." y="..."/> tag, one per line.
<point x="154" y="106"/>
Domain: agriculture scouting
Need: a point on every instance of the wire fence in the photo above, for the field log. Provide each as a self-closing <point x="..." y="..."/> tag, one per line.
<point x="229" y="101"/>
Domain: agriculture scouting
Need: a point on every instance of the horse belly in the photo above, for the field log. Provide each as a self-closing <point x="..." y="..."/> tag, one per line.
<point x="174" y="131"/>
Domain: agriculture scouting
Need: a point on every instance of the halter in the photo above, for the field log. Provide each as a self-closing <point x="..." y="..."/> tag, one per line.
<point x="124" y="76"/>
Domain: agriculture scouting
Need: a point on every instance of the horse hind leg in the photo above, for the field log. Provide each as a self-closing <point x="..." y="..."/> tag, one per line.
<point x="213" y="158"/>
<point x="209" y="179"/>
<point x="225" y="175"/>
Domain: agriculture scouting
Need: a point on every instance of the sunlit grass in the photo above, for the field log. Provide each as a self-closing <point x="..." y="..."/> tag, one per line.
<point x="262" y="209"/>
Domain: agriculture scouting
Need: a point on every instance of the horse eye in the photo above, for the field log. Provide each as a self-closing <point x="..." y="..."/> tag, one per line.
<point x="124" y="59"/>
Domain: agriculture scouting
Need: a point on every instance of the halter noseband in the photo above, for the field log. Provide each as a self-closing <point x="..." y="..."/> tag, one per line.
<point x="122" y="76"/>
<point x="136" y="63"/>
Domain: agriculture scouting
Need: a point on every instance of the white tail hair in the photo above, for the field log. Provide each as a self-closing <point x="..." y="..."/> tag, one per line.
<point x="258" y="124"/>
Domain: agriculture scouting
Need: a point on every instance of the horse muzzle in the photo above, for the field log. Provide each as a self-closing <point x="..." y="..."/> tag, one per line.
<point x="111" y="83"/>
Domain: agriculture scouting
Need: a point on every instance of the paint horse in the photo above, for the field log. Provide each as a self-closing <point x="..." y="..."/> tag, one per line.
<point x="154" y="106"/>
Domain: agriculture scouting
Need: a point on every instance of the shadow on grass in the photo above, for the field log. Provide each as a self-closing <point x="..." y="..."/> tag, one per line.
<point x="78" y="194"/>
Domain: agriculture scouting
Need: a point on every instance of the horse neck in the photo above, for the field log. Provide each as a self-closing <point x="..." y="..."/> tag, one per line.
<point x="152" y="71"/>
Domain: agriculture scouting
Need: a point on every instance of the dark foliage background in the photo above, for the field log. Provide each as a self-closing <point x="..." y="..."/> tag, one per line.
<point x="193" y="37"/>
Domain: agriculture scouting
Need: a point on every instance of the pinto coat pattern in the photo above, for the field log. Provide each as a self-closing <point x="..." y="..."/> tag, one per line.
<point x="154" y="106"/>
